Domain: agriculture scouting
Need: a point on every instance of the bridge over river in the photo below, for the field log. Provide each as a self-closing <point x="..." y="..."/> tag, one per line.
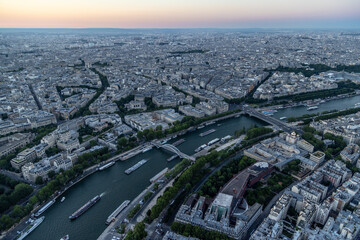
<point x="273" y="121"/>
<point x="173" y="149"/>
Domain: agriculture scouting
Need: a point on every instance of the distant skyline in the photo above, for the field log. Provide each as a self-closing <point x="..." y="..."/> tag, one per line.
<point x="180" y="14"/>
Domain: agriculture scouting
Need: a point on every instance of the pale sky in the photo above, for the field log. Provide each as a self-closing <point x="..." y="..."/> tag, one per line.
<point x="179" y="13"/>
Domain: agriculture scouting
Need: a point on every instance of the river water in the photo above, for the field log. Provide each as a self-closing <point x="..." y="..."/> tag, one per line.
<point x="338" y="104"/>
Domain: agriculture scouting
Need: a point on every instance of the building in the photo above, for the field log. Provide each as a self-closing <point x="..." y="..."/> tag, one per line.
<point x="275" y="151"/>
<point x="189" y="110"/>
<point x="41" y="169"/>
<point x="350" y="153"/>
<point x="279" y="211"/>
<point x="268" y="230"/>
<point x="306" y="163"/>
<point x="136" y="105"/>
<point x="317" y="156"/>
<point x="7" y="127"/>
<point x="307" y="214"/>
<point x="122" y="129"/>
<point x="207" y="108"/>
<point x="23" y="157"/>
<point x="173" y="236"/>
<point x="152" y="120"/>
<point x="69" y="145"/>
<point x="108" y="139"/>
<point x="305" y="145"/>
<point x="311" y="190"/>
<point x="168" y="115"/>
<point x="60" y="163"/>
<point x="144" y="121"/>
<point x="40" y="149"/>
<point x="323" y="211"/>
<point x="13" y="142"/>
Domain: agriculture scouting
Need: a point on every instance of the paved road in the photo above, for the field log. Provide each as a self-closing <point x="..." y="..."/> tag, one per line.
<point x="35" y="97"/>
<point x="158" y="225"/>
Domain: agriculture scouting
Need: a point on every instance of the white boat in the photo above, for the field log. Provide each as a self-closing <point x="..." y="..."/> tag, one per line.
<point x="106" y="165"/>
<point x="200" y="148"/>
<point x="164" y="141"/>
<point x="357" y="104"/>
<point x="136" y="166"/>
<point x="312" y="108"/>
<point x="209" y="123"/>
<point x="117" y="211"/>
<point x="160" y="174"/>
<point x="66" y="237"/>
<point x="43" y="209"/>
<point x="213" y="141"/>
<point x="225" y="138"/>
<point x="146" y="149"/>
<point x="62" y="199"/>
<point x="283" y="118"/>
<point x="32" y="226"/>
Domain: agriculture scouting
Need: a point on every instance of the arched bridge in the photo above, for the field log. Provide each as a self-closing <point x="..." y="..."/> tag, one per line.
<point x="172" y="148"/>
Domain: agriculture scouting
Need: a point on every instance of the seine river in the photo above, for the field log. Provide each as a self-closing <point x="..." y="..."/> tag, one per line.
<point x="115" y="186"/>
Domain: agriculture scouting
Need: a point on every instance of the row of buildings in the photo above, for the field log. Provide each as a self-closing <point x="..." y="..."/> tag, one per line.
<point x="318" y="206"/>
<point x="18" y="122"/>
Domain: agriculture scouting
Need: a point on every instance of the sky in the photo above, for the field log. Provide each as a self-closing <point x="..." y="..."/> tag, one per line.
<point x="180" y="14"/>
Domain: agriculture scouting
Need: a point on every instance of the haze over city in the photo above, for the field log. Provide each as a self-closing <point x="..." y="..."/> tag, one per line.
<point x="179" y="14"/>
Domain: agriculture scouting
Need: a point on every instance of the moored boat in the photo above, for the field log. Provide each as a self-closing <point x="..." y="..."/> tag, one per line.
<point x="106" y="165"/>
<point x="43" y="209"/>
<point x="32" y="226"/>
<point x="117" y="211"/>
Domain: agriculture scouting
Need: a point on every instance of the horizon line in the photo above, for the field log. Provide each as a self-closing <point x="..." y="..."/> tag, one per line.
<point x="182" y="28"/>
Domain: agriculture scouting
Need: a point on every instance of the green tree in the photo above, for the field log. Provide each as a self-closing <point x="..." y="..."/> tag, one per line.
<point x="39" y="180"/>
<point x="122" y="142"/>
<point x="17" y="212"/>
<point x="51" y="174"/>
